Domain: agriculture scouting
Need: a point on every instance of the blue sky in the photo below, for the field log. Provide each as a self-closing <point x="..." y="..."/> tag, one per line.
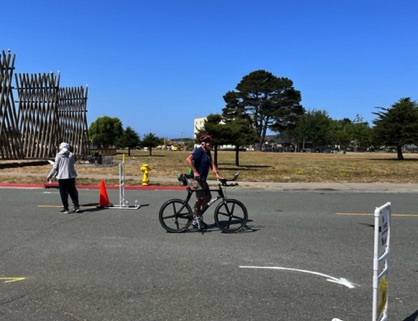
<point x="157" y="65"/>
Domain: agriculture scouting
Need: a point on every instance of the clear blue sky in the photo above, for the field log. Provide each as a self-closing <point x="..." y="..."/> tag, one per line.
<point x="157" y="65"/>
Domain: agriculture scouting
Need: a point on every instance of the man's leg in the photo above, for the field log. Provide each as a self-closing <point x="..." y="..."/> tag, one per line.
<point x="203" y="197"/>
<point x="198" y="204"/>
<point x="63" y="187"/>
<point x="72" y="190"/>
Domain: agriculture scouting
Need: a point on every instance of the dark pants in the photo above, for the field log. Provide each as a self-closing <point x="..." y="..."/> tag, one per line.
<point x="67" y="187"/>
<point x="203" y="196"/>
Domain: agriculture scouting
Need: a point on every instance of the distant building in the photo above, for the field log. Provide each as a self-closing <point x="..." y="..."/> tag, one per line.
<point x="199" y="123"/>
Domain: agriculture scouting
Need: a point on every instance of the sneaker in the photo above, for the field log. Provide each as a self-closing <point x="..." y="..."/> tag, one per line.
<point x="77" y="210"/>
<point x="198" y="221"/>
<point x="65" y="211"/>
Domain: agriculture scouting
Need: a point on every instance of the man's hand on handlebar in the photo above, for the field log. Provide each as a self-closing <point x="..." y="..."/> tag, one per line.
<point x="224" y="182"/>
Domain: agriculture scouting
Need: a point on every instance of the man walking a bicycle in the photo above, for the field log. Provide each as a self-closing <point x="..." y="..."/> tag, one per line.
<point x="200" y="161"/>
<point x="230" y="215"/>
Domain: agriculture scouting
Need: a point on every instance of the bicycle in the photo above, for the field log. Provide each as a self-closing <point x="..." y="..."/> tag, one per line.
<point x="230" y="215"/>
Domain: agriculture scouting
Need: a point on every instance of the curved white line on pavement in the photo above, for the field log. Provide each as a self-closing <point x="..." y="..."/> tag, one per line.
<point x="329" y="278"/>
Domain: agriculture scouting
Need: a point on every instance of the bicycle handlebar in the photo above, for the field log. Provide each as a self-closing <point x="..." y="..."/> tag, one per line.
<point x="185" y="181"/>
<point x="232" y="185"/>
<point x="224" y="182"/>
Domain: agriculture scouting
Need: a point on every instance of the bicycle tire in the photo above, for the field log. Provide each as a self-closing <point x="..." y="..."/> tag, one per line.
<point x="231" y="216"/>
<point x="175" y="216"/>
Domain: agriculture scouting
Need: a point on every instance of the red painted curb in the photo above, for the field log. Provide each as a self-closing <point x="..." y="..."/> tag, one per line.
<point x="54" y="185"/>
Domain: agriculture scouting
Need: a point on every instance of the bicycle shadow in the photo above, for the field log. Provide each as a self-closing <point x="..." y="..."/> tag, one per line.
<point x="214" y="228"/>
<point x="412" y="317"/>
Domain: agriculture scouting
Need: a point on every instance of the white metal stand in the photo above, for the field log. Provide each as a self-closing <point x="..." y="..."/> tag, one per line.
<point x="123" y="203"/>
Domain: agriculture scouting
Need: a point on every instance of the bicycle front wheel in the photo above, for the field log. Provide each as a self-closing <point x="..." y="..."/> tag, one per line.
<point x="175" y="216"/>
<point x="231" y="216"/>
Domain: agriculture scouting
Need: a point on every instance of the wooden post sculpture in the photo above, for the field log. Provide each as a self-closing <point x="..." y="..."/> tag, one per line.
<point x="46" y="114"/>
<point x="38" y="100"/>
<point x="72" y="118"/>
<point x="10" y="138"/>
<point x="49" y="115"/>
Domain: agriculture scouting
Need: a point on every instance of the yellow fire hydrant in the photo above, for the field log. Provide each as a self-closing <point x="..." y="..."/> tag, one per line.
<point x="145" y="172"/>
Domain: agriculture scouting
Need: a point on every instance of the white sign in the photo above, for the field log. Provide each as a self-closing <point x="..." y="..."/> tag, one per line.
<point x="384" y="230"/>
<point x="381" y="261"/>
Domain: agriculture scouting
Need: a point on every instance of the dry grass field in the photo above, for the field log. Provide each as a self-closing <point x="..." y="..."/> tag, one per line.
<point x="254" y="166"/>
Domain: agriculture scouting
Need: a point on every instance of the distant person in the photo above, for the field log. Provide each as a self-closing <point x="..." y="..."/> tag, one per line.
<point x="200" y="161"/>
<point x="64" y="171"/>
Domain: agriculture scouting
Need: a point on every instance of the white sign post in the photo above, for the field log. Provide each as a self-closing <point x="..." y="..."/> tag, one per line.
<point x="381" y="261"/>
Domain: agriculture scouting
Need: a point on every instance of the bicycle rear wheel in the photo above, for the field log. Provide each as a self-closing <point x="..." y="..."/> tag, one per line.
<point x="231" y="216"/>
<point x="175" y="216"/>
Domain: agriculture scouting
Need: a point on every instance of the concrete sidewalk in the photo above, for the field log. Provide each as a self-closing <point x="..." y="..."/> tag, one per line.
<point x="343" y="187"/>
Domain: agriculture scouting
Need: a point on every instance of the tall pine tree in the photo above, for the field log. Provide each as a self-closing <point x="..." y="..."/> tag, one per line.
<point x="398" y="125"/>
<point x="267" y="101"/>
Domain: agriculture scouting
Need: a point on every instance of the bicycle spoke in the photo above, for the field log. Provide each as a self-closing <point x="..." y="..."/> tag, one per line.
<point x="231" y="216"/>
<point x="175" y="216"/>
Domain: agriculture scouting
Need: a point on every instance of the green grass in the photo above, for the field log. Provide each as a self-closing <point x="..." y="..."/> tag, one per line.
<point x="254" y="166"/>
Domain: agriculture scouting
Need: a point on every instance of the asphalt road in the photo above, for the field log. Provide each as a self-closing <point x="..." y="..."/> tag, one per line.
<point x="115" y="264"/>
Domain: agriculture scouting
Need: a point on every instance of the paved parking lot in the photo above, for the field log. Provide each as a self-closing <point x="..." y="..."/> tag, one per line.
<point x="110" y="264"/>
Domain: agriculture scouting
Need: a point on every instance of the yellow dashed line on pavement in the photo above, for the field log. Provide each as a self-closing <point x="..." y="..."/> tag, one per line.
<point x="60" y="206"/>
<point x="11" y="279"/>
<point x="371" y="214"/>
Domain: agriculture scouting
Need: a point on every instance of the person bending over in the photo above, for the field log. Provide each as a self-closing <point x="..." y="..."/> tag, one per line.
<point x="64" y="171"/>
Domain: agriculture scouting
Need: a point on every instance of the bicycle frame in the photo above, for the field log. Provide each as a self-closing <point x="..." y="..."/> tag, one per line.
<point x="220" y="195"/>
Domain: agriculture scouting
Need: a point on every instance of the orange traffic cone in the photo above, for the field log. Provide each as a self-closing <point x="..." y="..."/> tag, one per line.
<point x="103" y="198"/>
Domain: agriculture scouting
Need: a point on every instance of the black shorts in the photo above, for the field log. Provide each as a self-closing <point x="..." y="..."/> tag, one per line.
<point x="203" y="190"/>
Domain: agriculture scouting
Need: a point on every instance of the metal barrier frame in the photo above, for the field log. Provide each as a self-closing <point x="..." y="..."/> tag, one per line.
<point x="123" y="203"/>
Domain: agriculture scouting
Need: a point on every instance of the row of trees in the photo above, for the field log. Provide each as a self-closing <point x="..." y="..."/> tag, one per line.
<point x="313" y="129"/>
<point x="262" y="102"/>
<point x="108" y="131"/>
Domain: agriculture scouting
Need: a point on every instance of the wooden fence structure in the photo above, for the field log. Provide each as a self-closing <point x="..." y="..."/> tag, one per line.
<point x="37" y="104"/>
<point x="72" y="118"/>
<point x="10" y="138"/>
<point x="47" y="114"/>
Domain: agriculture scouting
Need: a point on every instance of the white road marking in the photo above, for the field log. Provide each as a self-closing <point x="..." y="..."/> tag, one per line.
<point x="329" y="278"/>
